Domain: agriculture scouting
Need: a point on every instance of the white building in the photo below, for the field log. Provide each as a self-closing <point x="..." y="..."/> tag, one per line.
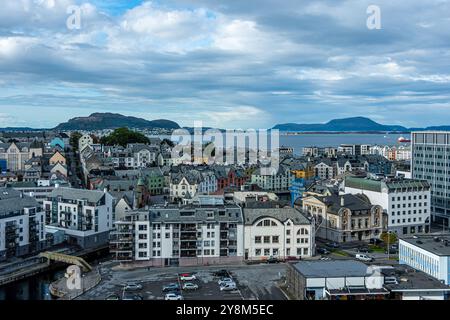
<point x="21" y="224"/>
<point x="280" y="181"/>
<point x="427" y="253"/>
<point x="181" y="236"/>
<point x="86" y="216"/>
<point x="277" y="232"/>
<point x="324" y="170"/>
<point x="406" y="201"/>
<point x="85" y="140"/>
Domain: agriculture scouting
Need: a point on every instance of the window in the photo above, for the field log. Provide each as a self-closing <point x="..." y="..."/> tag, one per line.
<point x="275" y="239"/>
<point x="257" y="252"/>
<point x="258" y="239"/>
<point x="266" y="239"/>
<point x="267" y="252"/>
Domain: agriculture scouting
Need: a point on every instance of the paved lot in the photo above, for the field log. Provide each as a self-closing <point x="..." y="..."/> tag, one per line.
<point x="254" y="282"/>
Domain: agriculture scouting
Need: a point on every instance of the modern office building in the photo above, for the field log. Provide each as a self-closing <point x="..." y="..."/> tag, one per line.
<point x="431" y="162"/>
<point x="427" y="253"/>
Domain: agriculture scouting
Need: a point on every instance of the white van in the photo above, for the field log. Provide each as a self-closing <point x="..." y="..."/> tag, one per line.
<point x="363" y="257"/>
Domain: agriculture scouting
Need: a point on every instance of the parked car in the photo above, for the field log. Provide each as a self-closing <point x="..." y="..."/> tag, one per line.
<point x="171" y="287"/>
<point x="187" y="277"/>
<point x="190" y="286"/>
<point x="325" y="259"/>
<point x="391" y="251"/>
<point x="363" y="249"/>
<point x="113" y="297"/>
<point x="225" y="280"/>
<point x="322" y="251"/>
<point x="173" y="296"/>
<point x="363" y="257"/>
<point x="272" y="260"/>
<point x="133" y="297"/>
<point x="333" y="245"/>
<point x="221" y="273"/>
<point x="228" y="287"/>
<point x="375" y="241"/>
<point x="133" y="286"/>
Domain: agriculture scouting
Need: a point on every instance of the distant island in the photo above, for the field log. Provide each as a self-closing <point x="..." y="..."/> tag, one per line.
<point x="101" y="121"/>
<point x="350" y="125"/>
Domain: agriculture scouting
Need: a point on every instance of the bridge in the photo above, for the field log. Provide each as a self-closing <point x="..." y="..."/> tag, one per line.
<point x="61" y="257"/>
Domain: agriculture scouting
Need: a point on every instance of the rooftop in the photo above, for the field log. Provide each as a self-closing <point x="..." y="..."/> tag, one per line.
<point x="332" y="268"/>
<point x="438" y="245"/>
<point x="251" y="215"/>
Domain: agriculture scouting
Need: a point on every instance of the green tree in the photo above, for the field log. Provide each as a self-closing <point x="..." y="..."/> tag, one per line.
<point x="124" y="136"/>
<point x="74" y="138"/>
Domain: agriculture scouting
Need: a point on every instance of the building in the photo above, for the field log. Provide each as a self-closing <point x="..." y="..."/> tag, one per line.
<point x="345" y="218"/>
<point x="406" y="201"/>
<point x="279" y="181"/>
<point x="181" y="236"/>
<point x="85" y="140"/>
<point x="17" y="154"/>
<point x="335" y="280"/>
<point x="324" y="169"/>
<point x="354" y="280"/>
<point x="427" y="253"/>
<point x="86" y="216"/>
<point x="282" y="233"/>
<point x="21" y="224"/>
<point x="354" y="149"/>
<point x="431" y="162"/>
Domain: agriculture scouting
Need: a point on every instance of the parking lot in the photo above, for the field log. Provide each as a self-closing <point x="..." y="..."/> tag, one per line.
<point x="254" y="282"/>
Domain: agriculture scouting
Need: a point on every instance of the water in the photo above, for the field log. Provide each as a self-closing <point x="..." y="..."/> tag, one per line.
<point x="334" y="140"/>
<point x="33" y="288"/>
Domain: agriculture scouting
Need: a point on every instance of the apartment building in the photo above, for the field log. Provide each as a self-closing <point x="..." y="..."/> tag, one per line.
<point x="282" y="233"/>
<point x="85" y="216"/>
<point x="431" y="162"/>
<point x="21" y="224"/>
<point x="16" y="154"/>
<point x="405" y="201"/>
<point x="279" y="181"/>
<point x="181" y="235"/>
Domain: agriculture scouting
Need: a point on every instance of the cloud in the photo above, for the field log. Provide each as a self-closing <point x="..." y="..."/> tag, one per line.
<point x="242" y="63"/>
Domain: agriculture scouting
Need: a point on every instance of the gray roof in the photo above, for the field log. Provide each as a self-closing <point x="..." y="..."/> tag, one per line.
<point x="77" y="194"/>
<point x="333" y="268"/>
<point x="435" y="244"/>
<point x="352" y="202"/>
<point x="193" y="214"/>
<point x="390" y="183"/>
<point x="251" y="215"/>
<point x="12" y="203"/>
<point x="412" y="279"/>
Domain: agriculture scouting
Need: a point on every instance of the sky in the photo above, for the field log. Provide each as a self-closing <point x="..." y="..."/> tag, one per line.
<point x="230" y="63"/>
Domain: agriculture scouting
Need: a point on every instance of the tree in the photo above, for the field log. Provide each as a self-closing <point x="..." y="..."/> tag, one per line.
<point x="74" y="138"/>
<point x="124" y="136"/>
<point x="392" y="237"/>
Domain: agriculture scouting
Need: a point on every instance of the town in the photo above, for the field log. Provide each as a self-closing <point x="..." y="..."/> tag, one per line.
<point x="344" y="222"/>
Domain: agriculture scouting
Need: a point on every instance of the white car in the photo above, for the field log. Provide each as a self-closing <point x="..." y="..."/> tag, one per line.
<point x="133" y="286"/>
<point x="225" y="280"/>
<point x="187" y="277"/>
<point x="190" y="286"/>
<point x="363" y="257"/>
<point x="173" y="296"/>
<point x="228" y="287"/>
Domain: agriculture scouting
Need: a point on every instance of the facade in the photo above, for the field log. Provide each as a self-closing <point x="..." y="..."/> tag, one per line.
<point x="324" y="170"/>
<point x="86" y="216"/>
<point x="280" y="181"/>
<point x="345" y="218"/>
<point x="282" y="233"/>
<point x="427" y="253"/>
<point x="21" y="224"/>
<point x="85" y="140"/>
<point x="186" y="235"/>
<point x="431" y="162"/>
<point x="406" y="201"/>
<point x="17" y="154"/>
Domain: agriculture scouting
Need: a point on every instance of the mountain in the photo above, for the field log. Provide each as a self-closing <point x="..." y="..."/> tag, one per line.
<point x="99" y="121"/>
<point x="359" y="124"/>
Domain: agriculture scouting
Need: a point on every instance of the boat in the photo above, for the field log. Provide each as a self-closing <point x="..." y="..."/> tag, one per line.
<point x="402" y="139"/>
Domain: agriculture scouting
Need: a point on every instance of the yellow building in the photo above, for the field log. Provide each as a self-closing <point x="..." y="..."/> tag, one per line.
<point x="57" y="158"/>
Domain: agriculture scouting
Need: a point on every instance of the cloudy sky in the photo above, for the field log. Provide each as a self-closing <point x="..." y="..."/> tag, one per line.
<point x="229" y="63"/>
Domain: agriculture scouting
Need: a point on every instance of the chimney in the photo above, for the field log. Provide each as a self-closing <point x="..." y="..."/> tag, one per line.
<point x="105" y="190"/>
<point x="342" y="201"/>
<point x="56" y="185"/>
